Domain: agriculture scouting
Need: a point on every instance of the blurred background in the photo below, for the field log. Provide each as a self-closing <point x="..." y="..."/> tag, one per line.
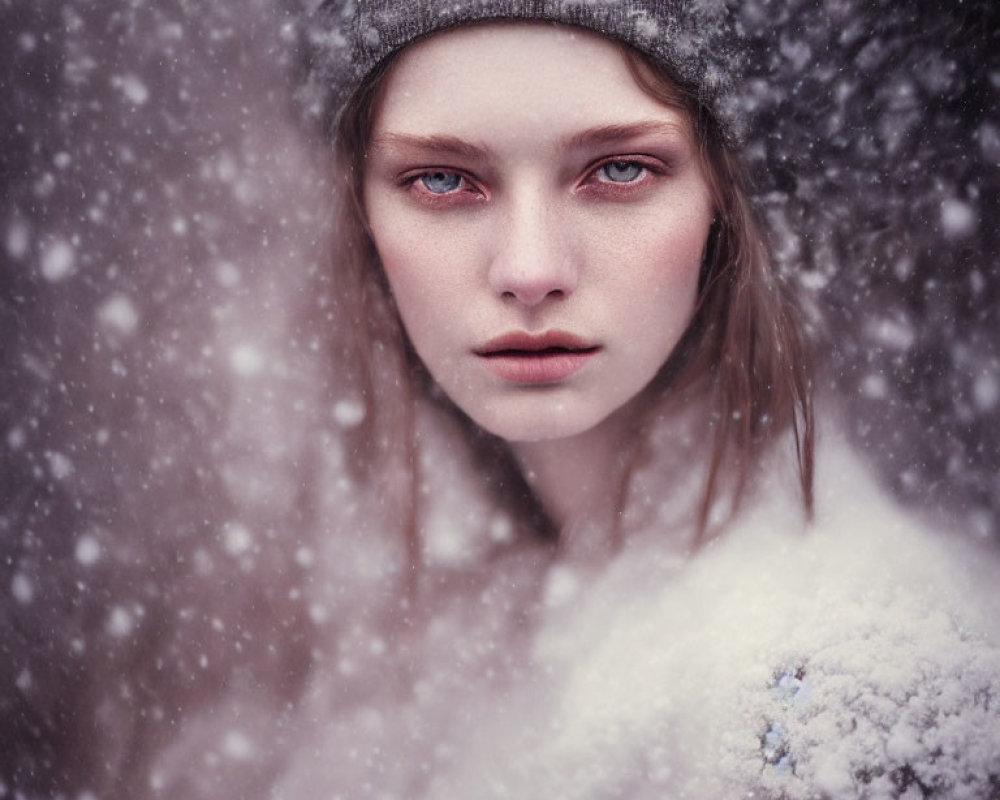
<point x="163" y="236"/>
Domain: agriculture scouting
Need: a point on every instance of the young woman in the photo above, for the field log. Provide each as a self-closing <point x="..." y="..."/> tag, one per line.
<point x="569" y="544"/>
<point x="555" y="278"/>
<point x="666" y="242"/>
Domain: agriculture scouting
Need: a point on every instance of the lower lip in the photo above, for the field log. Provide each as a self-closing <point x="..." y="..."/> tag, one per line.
<point x="537" y="368"/>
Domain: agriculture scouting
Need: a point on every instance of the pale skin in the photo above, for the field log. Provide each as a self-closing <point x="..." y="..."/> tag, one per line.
<point x="519" y="183"/>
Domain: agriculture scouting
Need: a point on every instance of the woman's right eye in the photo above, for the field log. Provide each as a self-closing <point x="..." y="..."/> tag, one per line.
<point x="441" y="182"/>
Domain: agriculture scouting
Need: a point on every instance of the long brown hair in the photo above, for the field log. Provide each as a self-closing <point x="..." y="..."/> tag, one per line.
<point x="744" y="349"/>
<point x="746" y="338"/>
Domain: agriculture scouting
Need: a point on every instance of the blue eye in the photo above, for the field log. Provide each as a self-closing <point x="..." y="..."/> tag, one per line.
<point x="620" y="171"/>
<point x="441" y="182"/>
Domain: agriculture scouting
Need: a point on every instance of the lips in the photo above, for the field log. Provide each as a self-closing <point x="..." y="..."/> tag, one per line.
<point x="544" y="358"/>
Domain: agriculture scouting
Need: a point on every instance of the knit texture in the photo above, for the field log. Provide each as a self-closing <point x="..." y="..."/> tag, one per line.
<point x="693" y="40"/>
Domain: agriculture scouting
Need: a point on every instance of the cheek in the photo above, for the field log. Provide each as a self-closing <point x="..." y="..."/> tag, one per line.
<point x="660" y="262"/>
<point x="413" y="293"/>
<point x="425" y="278"/>
<point x="401" y="252"/>
<point x="428" y="259"/>
<point x="657" y="289"/>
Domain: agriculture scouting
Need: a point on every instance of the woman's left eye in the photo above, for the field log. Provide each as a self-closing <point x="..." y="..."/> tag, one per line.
<point x="620" y="171"/>
<point x="441" y="182"/>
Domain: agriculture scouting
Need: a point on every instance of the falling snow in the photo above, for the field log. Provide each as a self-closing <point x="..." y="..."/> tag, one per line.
<point x="246" y="360"/>
<point x="58" y="258"/>
<point x="132" y="87"/>
<point x="203" y="592"/>
<point x="59" y="466"/>
<point x="237" y="746"/>
<point x="237" y="539"/>
<point x="88" y="550"/>
<point x="23" y="681"/>
<point x="18" y="240"/>
<point x="958" y="218"/>
<point x="22" y="588"/>
<point x="986" y="391"/>
<point x="16" y="438"/>
<point x="120" y="622"/>
<point x="349" y="413"/>
<point x="119" y="314"/>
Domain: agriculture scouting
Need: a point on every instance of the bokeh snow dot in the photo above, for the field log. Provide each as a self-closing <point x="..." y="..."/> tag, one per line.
<point x="986" y="391"/>
<point x="119" y="314"/>
<point x="23" y="682"/>
<point x="875" y="386"/>
<point x="236" y="539"/>
<point x="135" y="91"/>
<point x="349" y="413"/>
<point x="237" y="746"/>
<point x="88" y="550"/>
<point x="59" y="466"/>
<point x="58" y="260"/>
<point x="22" y="588"/>
<point x="18" y="239"/>
<point x="227" y="274"/>
<point x="561" y="586"/>
<point x="120" y="622"/>
<point x="246" y="360"/>
<point x="958" y="218"/>
<point x="16" y="438"/>
<point x="305" y="557"/>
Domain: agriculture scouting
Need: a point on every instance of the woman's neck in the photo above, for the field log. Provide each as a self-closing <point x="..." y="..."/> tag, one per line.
<point x="580" y="483"/>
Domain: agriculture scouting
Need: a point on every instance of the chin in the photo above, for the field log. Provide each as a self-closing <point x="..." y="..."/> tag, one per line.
<point x="532" y="425"/>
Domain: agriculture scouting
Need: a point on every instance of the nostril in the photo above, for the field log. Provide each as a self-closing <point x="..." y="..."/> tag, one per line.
<point x="509" y="294"/>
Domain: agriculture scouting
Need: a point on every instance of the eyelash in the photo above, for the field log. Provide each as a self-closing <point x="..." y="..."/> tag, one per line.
<point x="647" y="169"/>
<point x="466" y="186"/>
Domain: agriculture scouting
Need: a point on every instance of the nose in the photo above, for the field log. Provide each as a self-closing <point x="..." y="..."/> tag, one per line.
<point x="533" y="260"/>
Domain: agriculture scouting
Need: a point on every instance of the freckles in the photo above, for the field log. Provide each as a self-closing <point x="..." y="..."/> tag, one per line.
<point x="392" y="265"/>
<point x="399" y="246"/>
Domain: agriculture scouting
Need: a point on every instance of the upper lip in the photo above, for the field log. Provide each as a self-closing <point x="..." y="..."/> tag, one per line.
<point x="522" y="341"/>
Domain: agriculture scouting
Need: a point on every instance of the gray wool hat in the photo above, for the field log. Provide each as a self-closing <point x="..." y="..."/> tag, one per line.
<point x="695" y="41"/>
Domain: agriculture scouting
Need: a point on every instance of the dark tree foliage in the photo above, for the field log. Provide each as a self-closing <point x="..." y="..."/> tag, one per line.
<point x="876" y="149"/>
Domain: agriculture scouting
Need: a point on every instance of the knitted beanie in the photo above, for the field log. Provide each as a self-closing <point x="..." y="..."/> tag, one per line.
<point x="694" y="41"/>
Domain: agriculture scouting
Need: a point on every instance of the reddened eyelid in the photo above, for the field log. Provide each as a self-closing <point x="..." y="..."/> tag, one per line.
<point x="467" y="187"/>
<point x="605" y="171"/>
<point x="648" y="162"/>
<point x="411" y="175"/>
<point x="648" y="167"/>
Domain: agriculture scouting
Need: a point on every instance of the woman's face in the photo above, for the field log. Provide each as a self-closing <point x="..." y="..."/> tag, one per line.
<point x="541" y="222"/>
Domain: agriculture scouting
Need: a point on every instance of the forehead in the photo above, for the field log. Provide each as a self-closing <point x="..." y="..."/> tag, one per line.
<point x="507" y="79"/>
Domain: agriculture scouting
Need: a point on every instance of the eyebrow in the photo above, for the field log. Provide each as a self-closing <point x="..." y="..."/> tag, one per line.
<point x="445" y="145"/>
<point x="605" y="134"/>
<point x="602" y="134"/>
